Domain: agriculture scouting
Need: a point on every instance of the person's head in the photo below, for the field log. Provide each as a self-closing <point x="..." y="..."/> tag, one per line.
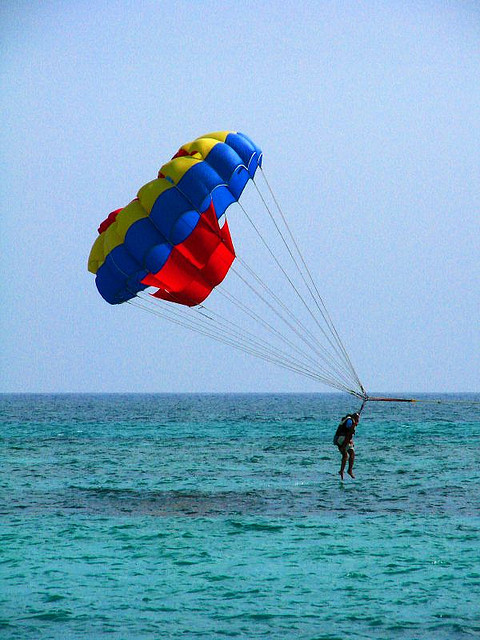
<point x="356" y="417"/>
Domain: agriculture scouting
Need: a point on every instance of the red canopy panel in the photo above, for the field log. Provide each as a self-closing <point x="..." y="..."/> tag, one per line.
<point x="197" y="265"/>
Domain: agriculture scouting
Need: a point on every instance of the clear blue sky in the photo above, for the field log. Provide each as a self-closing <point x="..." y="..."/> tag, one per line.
<point x="369" y="117"/>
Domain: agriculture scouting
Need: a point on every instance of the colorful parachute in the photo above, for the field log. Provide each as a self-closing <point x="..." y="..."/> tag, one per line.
<point x="169" y="236"/>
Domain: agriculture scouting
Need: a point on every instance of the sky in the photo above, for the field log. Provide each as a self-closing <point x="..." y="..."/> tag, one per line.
<point x="368" y="115"/>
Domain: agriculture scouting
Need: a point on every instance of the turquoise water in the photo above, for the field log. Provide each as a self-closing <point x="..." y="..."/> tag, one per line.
<point x="217" y="516"/>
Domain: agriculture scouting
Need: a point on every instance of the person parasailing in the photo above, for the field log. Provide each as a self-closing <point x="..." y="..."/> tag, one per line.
<point x="343" y="439"/>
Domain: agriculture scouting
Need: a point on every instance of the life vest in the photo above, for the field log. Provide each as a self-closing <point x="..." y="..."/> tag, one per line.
<point x="342" y="424"/>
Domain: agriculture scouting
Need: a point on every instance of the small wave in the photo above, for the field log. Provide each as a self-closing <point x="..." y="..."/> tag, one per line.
<point x="56" y="615"/>
<point x="257" y="526"/>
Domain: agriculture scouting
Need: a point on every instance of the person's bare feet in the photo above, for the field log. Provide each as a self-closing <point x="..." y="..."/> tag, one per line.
<point x="341" y="474"/>
<point x="350" y="473"/>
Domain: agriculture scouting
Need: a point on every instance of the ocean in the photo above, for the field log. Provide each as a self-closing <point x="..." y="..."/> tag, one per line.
<point x="223" y="516"/>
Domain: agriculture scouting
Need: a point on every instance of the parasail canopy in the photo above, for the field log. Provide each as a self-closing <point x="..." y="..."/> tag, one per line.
<point x="169" y="236"/>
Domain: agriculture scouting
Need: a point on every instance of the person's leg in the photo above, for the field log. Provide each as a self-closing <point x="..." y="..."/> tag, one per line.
<point x="351" y="460"/>
<point x="344" y="462"/>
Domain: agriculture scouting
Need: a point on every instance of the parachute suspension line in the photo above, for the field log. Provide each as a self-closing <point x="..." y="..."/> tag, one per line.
<point x="183" y="321"/>
<point x="336" y="366"/>
<point x="201" y="309"/>
<point x="329" y="355"/>
<point x="298" y="365"/>
<point x="261" y="350"/>
<point x="328" y="360"/>
<point x="323" y="374"/>
<point x="290" y="281"/>
<point x="323" y="310"/>
<point x="272" y="217"/>
<point x="264" y="323"/>
<point x="254" y="343"/>
<point x="325" y="313"/>
<point x="322" y="307"/>
<point x="209" y="333"/>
